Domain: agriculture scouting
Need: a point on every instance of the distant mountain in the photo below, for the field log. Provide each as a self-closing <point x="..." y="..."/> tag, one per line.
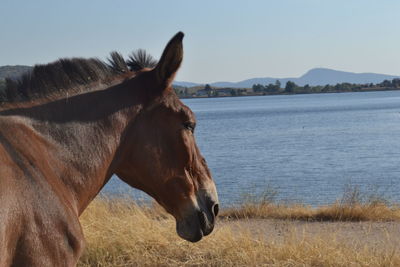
<point x="186" y="84"/>
<point x="318" y="76"/>
<point x="13" y="71"/>
<point x="323" y="76"/>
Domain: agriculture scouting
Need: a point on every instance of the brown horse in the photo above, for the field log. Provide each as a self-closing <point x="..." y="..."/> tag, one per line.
<point x="67" y="126"/>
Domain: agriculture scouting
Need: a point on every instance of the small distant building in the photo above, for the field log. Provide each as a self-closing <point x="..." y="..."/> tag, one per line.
<point x="224" y="92"/>
<point x="201" y="93"/>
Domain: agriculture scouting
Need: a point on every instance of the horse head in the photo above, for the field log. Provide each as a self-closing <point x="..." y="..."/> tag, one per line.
<point x="160" y="155"/>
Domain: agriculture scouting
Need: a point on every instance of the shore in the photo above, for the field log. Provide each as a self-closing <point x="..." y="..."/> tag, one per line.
<point x="381" y="236"/>
<point x="120" y="233"/>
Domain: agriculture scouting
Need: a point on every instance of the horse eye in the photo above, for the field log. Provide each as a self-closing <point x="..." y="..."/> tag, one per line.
<point x="189" y="126"/>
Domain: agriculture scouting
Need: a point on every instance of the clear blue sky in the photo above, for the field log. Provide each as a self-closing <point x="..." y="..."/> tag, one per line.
<point x="225" y="40"/>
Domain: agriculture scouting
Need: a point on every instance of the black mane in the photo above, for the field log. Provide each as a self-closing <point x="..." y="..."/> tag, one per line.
<point x="67" y="74"/>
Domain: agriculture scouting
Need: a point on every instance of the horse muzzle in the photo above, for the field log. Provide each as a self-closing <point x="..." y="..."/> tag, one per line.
<point x="199" y="221"/>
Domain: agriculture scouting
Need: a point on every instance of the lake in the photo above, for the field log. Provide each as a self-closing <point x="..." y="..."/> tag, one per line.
<point x="308" y="148"/>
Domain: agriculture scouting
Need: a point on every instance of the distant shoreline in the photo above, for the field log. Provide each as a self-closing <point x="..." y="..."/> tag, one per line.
<point x="294" y="93"/>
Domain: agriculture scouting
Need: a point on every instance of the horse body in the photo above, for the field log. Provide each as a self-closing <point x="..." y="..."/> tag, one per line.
<point x="57" y="154"/>
<point x="51" y="171"/>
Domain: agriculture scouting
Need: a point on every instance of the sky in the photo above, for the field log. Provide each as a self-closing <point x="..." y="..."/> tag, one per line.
<point x="225" y="40"/>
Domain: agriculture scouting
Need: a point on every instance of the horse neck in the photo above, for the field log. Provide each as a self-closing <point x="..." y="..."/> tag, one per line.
<point x="84" y="134"/>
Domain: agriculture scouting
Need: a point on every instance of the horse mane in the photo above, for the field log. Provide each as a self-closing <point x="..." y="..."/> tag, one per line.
<point x="70" y="73"/>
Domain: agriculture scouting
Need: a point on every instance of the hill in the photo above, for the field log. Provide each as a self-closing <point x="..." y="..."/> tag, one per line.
<point x="314" y="77"/>
<point x="13" y="71"/>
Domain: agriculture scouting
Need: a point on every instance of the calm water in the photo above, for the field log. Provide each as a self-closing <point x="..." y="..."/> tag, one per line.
<point x="307" y="147"/>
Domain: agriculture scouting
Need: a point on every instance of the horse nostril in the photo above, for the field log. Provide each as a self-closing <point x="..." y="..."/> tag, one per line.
<point x="215" y="209"/>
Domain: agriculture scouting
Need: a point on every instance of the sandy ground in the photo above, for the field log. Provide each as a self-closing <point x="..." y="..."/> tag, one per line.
<point x="379" y="235"/>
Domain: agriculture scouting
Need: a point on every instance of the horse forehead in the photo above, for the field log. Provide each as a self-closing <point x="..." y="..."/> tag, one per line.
<point x="179" y="108"/>
<point x="187" y="112"/>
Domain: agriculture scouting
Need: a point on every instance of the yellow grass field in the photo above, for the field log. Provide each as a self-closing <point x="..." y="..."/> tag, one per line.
<point x="119" y="233"/>
<point x="334" y="212"/>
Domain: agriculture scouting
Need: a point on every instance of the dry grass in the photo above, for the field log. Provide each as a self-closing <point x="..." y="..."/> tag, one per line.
<point x="335" y="212"/>
<point x="119" y="233"/>
<point x="353" y="205"/>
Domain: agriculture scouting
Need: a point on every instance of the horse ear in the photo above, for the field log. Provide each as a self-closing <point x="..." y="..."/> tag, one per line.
<point x="170" y="60"/>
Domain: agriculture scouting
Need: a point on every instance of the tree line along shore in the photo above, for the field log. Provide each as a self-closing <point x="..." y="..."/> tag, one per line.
<point x="277" y="88"/>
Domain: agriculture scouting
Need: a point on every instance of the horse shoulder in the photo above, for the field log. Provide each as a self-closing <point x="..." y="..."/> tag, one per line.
<point x="37" y="227"/>
<point x="38" y="230"/>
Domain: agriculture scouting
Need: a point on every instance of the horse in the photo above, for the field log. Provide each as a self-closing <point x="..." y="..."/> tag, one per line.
<point x="66" y="127"/>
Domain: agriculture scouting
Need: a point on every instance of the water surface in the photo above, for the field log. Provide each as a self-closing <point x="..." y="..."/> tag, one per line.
<point x="307" y="147"/>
